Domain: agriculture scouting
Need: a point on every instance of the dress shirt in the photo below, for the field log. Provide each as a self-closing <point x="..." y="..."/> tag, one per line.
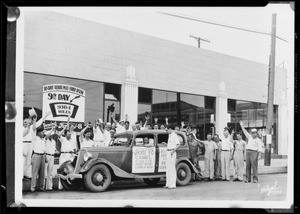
<point x="39" y="145"/>
<point x="173" y="141"/>
<point x="31" y="134"/>
<point x="120" y="128"/>
<point x="66" y="145"/>
<point x="87" y="143"/>
<point x="98" y="135"/>
<point x="226" y="143"/>
<point x="74" y="139"/>
<point x="107" y="138"/>
<point x="50" y="146"/>
<point x="253" y="143"/>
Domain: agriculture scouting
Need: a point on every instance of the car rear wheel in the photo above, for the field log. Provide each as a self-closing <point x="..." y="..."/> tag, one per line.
<point x="72" y="185"/>
<point x="151" y="181"/>
<point x="98" y="178"/>
<point x="183" y="174"/>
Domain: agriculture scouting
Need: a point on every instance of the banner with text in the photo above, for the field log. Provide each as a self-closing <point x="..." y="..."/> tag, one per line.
<point x="63" y="100"/>
<point x="143" y="159"/>
<point x="162" y="164"/>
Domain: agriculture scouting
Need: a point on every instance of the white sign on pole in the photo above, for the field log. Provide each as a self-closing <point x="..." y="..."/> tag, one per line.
<point x="63" y="100"/>
<point x="143" y="159"/>
<point x="162" y="161"/>
<point x="268" y="139"/>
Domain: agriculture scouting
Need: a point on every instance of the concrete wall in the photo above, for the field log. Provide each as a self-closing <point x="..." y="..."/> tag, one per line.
<point x="62" y="45"/>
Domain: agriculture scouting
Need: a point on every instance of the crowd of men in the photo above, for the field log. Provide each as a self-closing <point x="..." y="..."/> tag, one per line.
<point x="40" y="146"/>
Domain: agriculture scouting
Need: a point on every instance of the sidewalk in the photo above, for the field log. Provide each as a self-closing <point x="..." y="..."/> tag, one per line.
<point x="277" y="166"/>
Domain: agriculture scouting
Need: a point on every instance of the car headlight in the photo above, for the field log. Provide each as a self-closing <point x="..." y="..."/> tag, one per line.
<point x="87" y="156"/>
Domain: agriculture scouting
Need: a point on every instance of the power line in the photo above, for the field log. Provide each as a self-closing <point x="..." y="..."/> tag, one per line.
<point x="220" y="24"/>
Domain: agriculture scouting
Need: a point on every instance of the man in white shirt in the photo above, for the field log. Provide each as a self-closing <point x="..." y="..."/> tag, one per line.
<point x="74" y="137"/>
<point x="98" y="133"/>
<point x="253" y="153"/>
<point x="107" y="136"/>
<point x="50" y="151"/>
<point x="38" y="157"/>
<point x="27" y="141"/>
<point x="67" y="149"/>
<point x="226" y="151"/>
<point x="173" y="145"/>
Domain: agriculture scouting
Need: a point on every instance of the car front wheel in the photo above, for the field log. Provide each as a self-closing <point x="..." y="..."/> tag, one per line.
<point x="151" y="181"/>
<point x="98" y="178"/>
<point x="183" y="174"/>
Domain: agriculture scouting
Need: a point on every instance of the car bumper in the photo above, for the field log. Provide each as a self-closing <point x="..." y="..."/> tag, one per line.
<point x="69" y="176"/>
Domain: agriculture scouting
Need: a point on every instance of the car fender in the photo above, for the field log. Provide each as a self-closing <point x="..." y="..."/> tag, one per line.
<point x="188" y="162"/>
<point x="116" y="170"/>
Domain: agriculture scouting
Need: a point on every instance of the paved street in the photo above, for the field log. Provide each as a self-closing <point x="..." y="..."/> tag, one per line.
<point x="217" y="190"/>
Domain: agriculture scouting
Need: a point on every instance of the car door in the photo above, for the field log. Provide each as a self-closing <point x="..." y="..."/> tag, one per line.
<point x="143" y="155"/>
<point x="161" y="149"/>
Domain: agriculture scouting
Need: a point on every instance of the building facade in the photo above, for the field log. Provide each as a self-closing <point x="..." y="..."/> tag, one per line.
<point x="138" y="74"/>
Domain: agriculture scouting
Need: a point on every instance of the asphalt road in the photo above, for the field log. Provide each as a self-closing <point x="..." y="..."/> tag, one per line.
<point x="197" y="190"/>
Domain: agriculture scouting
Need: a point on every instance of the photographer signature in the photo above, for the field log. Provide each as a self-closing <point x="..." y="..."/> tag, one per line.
<point x="270" y="189"/>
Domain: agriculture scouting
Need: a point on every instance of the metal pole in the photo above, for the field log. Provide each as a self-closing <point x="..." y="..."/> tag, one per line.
<point x="271" y="91"/>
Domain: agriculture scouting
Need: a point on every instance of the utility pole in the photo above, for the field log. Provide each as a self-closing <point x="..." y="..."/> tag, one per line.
<point x="270" y="93"/>
<point x="199" y="40"/>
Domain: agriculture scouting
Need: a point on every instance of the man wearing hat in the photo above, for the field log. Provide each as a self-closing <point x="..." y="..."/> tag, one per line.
<point x="107" y="136"/>
<point x="67" y="149"/>
<point x="120" y="126"/>
<point x="253" y="153"/>
<point x="38" y="157"/>
<point x="50" y="151"/>
<point x="98" y="133"/>
<point x="28" y="133"/>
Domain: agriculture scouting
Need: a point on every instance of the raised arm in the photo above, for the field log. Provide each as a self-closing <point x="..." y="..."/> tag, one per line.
<point x="244" y="130"/>
<point x="40" y="121"/>
<point x="114" y="119"/>
<point x="81" y="133"/>
<point x="167" y="121"/>
<point x="146" y="122"/>
<point x="215" y="126"/>
<point x="61" y="132"/>
<point x="50" y="133"/>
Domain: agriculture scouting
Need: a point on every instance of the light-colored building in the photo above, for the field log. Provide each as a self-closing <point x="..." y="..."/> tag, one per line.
<point x="139" y="73"/>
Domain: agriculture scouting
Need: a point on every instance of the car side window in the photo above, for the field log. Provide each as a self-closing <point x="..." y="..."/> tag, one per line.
<point x="144" y="140"/>
<point x="162" y="140"/>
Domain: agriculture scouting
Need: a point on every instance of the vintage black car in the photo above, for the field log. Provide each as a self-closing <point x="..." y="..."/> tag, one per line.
<point x="130" y="155"/>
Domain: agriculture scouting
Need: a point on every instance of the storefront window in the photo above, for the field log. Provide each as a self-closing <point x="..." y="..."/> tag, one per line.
<point x="164" y="104"/>
<point x="254" y="115"/>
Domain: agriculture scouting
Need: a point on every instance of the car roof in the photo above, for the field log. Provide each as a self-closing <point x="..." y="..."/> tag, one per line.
<point x="152" y="131"/>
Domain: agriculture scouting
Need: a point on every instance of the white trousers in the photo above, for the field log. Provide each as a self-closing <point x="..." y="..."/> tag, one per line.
<point x="27" y="169"/>
<point x="49" y="171"/>
<point x="63" y="158"/>
<point x="171" y="170"/>
<point x="238" y="164"/>
<point x="225" y="163"/>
